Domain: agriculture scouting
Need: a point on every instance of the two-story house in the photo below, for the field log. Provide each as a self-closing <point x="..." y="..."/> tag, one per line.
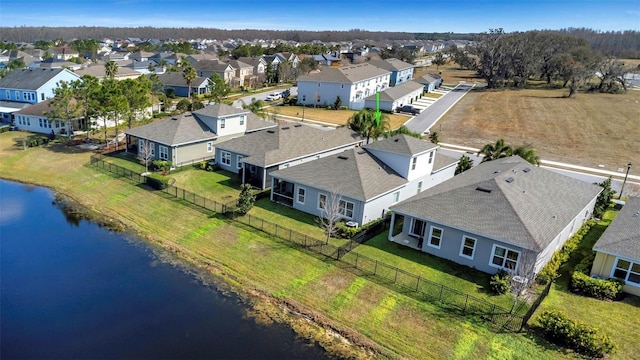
<point x="192" y="137"/>
<point x="206" y="68"/>
<point x="351" y="83"/>
<point x="243" y="73"/>
<point x="401" y="71"/>
<point x="364" y="181"/>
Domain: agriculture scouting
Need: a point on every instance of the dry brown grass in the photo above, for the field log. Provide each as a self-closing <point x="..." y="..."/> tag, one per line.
<point x="450" y="73"/>
<point x="589" y="129"/>
<point x="337" y="117"/>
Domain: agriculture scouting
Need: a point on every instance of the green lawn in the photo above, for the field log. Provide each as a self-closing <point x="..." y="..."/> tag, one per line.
<point x="438" y="270"/>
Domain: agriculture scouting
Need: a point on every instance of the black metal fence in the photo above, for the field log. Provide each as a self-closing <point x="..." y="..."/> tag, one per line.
<point x="417" y="286"/>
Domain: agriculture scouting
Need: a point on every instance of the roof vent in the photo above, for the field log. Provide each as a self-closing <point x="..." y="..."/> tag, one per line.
<point x="396" y="140"/>
<point x="174" y="118"/>
<point x="527" y="169"/>
<point x="484" y="189"/>
<point x="342" y="157"/>
<point x="297" y="125"/>
<point x="271" y="131"/>
<point x="188" y="115"/>
<point x="362" y="152"/>
<point x="497" y="171"/>
<point x="285" y="128"/>
<point x="509" y="179"/>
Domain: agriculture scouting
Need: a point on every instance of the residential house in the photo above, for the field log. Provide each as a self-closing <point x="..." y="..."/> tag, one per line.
<point x="255" y="156"/>
<point x="176" y="81"/>
<point x="99" y="71"/>
<point x="365" y="181"/>
<point x="430" y="81"/>
<point x="206" y="68"/>
<point x="53" y="63"/>
<point x="352" y="83"/>
<point x="141" y="56"/>
<point x="396" y="96"/>
<point x="272" y="60"/>
<point x="618" y="249"/>
<point x="191" y="137"/>
<point x="401" y="71"/>
<point x="259" y="66"/>
<point x="243" y="73"/>
<point x="29" y="86"/>
<point x="326" y="59"/>
<point x="63" y="52"/>
<point x="288" y="56"/>
<point x="504" y="214"/>
<point x="35" y="119"/>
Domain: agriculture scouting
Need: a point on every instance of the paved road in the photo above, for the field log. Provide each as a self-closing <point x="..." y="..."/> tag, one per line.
<point x="262" y="96"/>
<point x="429" y="116"/>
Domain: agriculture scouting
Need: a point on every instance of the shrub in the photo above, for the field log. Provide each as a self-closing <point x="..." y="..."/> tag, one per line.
<point x="559" y="329"/>
<point x="157" y="181"/>
<point x="4" y="128"/>
<point x="183" y="105"/>
<point x="162" y="165"/>
<point x="246" y="199"/>
<point x="500" y="282"/>
<point x="347" y="232"/>
<point x="598" y="288"/>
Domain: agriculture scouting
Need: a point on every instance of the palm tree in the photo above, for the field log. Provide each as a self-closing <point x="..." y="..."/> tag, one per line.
<point x="255" y="107"/>
<point x="189" y="74"/>
<point x="497" y="151"/>
<point x="434" y="137"/>
<point x="364" y="122"/>
<point x="528" y="153"/>
<point x="464" y="164"/>
<point x="111" y="69"/>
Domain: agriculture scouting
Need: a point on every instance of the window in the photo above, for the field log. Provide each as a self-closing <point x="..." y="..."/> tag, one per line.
<point x="345" y="208"/>
<point x="396" y="197"/>
<point x="431" y="157"/>
<point x="435" y="237"/>
<point x="210" y="146"/>
<point x="468" y="247"/>
<point x="41" y="123"/>
<point x="8" y="94"/>
<point x="42" y="96"/>
<point x="225" y="158"/>
<point x="627" y="271"/>
<point x="222" y="123"/>
<point x="322" y="201"/>
<point x="414" y="161"/>
<point x="239" y="161"/>
<point x="419" y="187"/>
<point x="241" y="119"/>
<point x="504" y="258"/>
<point x="301" y="194"/>
<point x="163" y="152"/>
<point x="417" y="227"/>
<point x="17" y="93"/>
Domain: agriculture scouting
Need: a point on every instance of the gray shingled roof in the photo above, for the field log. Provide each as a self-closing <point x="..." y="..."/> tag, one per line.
<point x="284" y="143"/>
<point x="426" y="79"/>
<point x="177" y="79"/>
<point x="391" y="64"/>
<point x="31" y="79"/>
<point x="402" y="144"/>
<point x="218" y="110"/>
<point x="181" y="129"/>
<point x="211" y="65"/>
<point x="527" y="208"/>
<point x="353" y="173"/>
<point x="345" y="74"/>
<point x="256" y="123"/>
<point x="396" y="92"/>
<point x="622" y="237"/>
<point x="442" y="161"/>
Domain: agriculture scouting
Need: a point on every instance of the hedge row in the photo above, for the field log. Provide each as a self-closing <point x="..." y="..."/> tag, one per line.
<point x="584" y="284"/>
<point x="550" y="270"/>
<point x="559" y="329"/>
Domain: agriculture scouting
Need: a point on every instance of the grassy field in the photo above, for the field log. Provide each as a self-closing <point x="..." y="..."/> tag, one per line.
<point x="373" y="320"/>
<point x="336" y="117"/>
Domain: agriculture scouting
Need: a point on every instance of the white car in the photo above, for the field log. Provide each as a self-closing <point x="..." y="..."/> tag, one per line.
<point x="273" y="97"/>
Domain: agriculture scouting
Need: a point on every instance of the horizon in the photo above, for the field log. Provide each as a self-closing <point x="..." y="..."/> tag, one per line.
<point x="464" y="16"/>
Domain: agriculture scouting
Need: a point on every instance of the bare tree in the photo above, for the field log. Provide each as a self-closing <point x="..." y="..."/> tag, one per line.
<point x="523" y="276"/>
<point x="331" y="212"/>
<point x="145" y="153"/>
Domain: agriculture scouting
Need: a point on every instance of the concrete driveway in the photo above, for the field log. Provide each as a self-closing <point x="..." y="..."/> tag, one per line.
<point x="432" y="113"/>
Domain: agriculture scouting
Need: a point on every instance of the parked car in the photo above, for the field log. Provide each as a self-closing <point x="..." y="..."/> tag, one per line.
<point x="408" y="109"/>
<point x="274" y="96"/>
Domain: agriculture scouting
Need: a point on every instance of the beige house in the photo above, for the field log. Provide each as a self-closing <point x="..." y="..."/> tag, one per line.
<point x="243" y="73"/>
<point x="618" y="249"/>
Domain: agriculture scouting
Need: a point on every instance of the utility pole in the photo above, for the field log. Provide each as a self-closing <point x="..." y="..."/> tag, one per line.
<point x="625" y="179"/>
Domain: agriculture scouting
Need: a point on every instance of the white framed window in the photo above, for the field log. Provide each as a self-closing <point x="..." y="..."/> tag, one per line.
<point x="417" y="227"/>
<point x="42" y="96"/>
<point x="239" y="161"/>
<point x="435" y="237"/>
<point x="396" y="197"/>
<point x="302" y="192"/>
<point x="225" y="157"/>
<point x="17" y="93"/>
<point x="7" y="94"/>
<point x="628" y="271"/>
<point x="419" y="190"/>
<point x="504" y="258"/>
<point x="209" y="146"/>
<point x="414" y="162"/>
<point x="163" y="152"/>
<point x="322" y="201"/>
<point x="431" y="157"/>
<point x="345" y="208"/>
<point x="222" y="123"/>
<point x="241" y="119"/>
<point x="468" y="247"/>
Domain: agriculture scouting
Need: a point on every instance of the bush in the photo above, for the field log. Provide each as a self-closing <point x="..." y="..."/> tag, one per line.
<point x="246" y="199"/>
<point x="162" y="165"/>
<point x="4" y="128"/>
<point x="500" y="282"/>
<point x="347" y="232"/>
<point x="598" y="288"/>
<point x="157" y="181"/>
<point x="559" y="329"/>
<point x="183" y="105"/>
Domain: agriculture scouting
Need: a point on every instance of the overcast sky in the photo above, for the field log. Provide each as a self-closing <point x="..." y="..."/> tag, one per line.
<point x="458" y="16"/>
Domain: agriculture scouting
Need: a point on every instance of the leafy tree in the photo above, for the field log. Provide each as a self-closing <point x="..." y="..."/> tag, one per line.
<point x="113" y="103"/>
<point x="577" y="66"/>
<point x="364" y="123"/>
<point x="255" y="107"/>
<point x="86" y="92"/>
<point x="306" y="66"/>
<point x="270" y="73"/>
<point x="218" y="87"/>
<point x="398" y="52"/>
<point x="465" y="163"/>
<point x="111" y="69"/>
<point x="528" y="153"/>
<point x="604" y="199"/>
<point x="16" y="64"/>
<point x="189" y="74"/>
<point x="183" y="105"/>
<point x="338" y="103"/>
<point x="439" y="60"/>
<point x="246" y="199"/>
<point x="495" y="151"/>
<point x="137" y="97"/>
<point x="63" y="105"/>
<point x="196" y="105"/>
<point x="611" y="74"/>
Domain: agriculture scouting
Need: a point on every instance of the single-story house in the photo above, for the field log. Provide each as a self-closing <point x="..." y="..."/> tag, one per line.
<point x="364" y="181"/>
<point x="401" y="71"/>
<point x="255" y="156"/>
<point x="177" y="82"/>
<point x="192" y="137"/>
<point x="393" y="97"/>
<point x="34" y="118"/>
<point x="430" y="81"/>
<point x="502" y="214"/>
<point x="618" y="249"/>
